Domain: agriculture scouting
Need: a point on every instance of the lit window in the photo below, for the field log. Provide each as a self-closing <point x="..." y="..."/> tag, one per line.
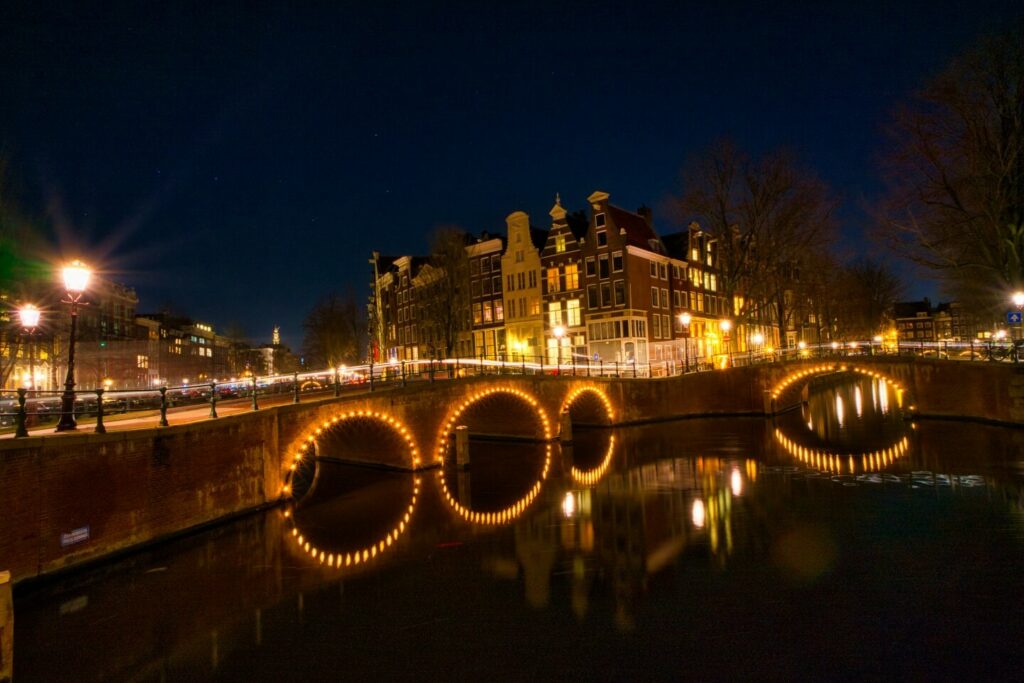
<point x="555" y="313"/>
<point x="559" y="243"/>
<point x="572" y="276"/>
<point x="553" y="280"/>
<point x="573" y="312"/>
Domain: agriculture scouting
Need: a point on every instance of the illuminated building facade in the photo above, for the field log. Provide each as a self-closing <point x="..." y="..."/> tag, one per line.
<point x="521" y="267"/>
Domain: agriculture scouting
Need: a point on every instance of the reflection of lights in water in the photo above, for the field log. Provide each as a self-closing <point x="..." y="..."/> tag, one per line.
<point x="832" y="462"/>
<point x="591" y="477"/>
<point x="569" y="504"/>
<point x="697" y="513"/>
<point x="500" y="516"/>
<point x="736" y="482"/>
<point x="840" y="412"/>
<point x="874" y="394"/>
<point x="352" y="558"/>
<point x="576" y="393"/>
<point x="810" y="424"/>
<point x="883" y="399"/>
<point x="858" y="401"/>
<point x="517" y="508"/>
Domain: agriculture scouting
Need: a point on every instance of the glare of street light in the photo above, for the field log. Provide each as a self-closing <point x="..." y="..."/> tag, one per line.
<point x="878" y="339"/>
<point x="76" y="277"/>
<point x="801" y="345"/>
<point x="1018" y="299"/>
<point x="726" y="325"/>
<point x="29" y="316"/>
<point x="835" y="345"/>
<point x="559" y="331"/>
<point x="685" y="319"/>
<point x="758" y="338"/>
<point x="1000" y="334"/>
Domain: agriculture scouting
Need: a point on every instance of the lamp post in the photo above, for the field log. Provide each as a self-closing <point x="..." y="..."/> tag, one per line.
<point x="757" y="340"/>
<point x="76" y="279"/>
<point x="1018" y="301"/>
<point x="725" y="326"/>
<point x="558" y="332"/>
<point x="29" y="316"/>
<point x="684" y="320"/>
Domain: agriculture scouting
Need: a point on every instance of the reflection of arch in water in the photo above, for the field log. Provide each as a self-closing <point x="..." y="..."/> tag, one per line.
<point x="825" y="368"/>
<point x="499" y="516"/>
<point x="592" y="476"/>
<point x="517" y="508"/>
<point x="585" y="392"/>
<point x="311" y="385"/>
<point x="872" y="461"/>
<point x="352" y="558"/>
<point x="306" y="449"/>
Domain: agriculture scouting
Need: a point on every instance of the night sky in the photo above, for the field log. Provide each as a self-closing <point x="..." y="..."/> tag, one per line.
<point x="240" y="161"/>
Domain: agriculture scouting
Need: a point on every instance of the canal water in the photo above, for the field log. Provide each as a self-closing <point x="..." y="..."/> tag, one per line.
<point x="839" y="541"/>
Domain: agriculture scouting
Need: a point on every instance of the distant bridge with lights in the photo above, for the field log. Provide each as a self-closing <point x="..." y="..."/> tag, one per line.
<point x="81" y="495"/>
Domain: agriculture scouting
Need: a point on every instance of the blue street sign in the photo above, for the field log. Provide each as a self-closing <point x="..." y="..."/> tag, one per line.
<point x="1013" y="317"/>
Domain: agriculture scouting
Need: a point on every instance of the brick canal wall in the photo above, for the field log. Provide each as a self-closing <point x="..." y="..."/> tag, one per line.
<point x="69" y="498"/>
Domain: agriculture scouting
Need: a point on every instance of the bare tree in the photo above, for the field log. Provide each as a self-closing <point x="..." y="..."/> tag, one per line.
<point x="768" y="216"/>
<point x="869" y="289"/>
<point x="334" y="330"/>
<point x="955" y="175"/>
<point x="444" y="297"/>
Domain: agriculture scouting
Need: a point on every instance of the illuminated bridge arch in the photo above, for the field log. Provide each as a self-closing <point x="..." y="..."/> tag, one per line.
<point x="305" y="450"/>
<point x="589" y="404"/>
<point x="803" y="373"/>
<point x="456" y="417"/>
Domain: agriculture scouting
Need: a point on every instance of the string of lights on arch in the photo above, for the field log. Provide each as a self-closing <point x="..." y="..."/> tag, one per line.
<point x="590" y="389"/>
<point x="356" y="556"/>
<point x="823" y="368"/>
<point x="515" y="509"/>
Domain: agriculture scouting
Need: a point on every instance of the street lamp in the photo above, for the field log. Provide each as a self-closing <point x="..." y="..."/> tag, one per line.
<point x="558" y="332"/>
<point x="684" y="320"/>
<point x="76" y="279"/>
<point x="1018" y="301"/>
<point x="725" y="326"/>
<point x="29" y="316"/>
<point x="757" y="339"/>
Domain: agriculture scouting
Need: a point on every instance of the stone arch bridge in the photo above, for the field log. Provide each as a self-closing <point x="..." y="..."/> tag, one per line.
<point x="110" y="491"/>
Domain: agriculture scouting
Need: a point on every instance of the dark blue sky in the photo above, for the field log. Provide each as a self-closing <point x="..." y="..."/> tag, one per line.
<point x="242" y="160"/>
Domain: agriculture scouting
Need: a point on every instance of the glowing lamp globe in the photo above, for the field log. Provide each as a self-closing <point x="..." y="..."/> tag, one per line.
<point x="685" y="318"/>
<point x="726" y="325"/>
<point x="76" y="277"/>
<point x="29" y="315"/>
<point x="559" y="331"/>
<point x="1018" y="299"/>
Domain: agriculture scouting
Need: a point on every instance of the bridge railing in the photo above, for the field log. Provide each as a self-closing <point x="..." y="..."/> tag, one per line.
<point x="29" y="408"/>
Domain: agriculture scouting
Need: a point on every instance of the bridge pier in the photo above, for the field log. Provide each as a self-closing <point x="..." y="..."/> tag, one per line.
<point x="565" y="427"/>
<point x="6" y="629"/>
<point x="462" y="446"/>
